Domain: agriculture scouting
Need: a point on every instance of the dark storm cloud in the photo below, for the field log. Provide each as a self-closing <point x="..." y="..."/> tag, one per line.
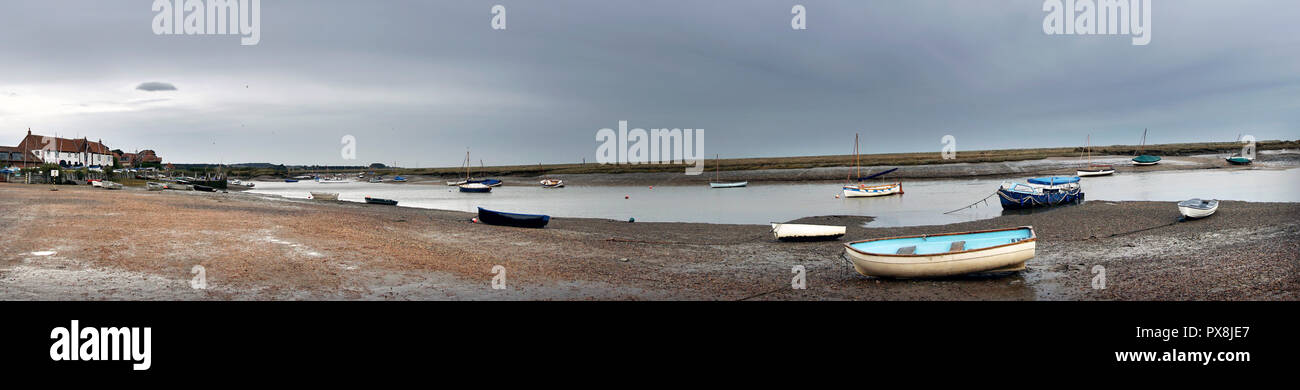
<point x="156" y="86"/>
<point x="420" y="81"/>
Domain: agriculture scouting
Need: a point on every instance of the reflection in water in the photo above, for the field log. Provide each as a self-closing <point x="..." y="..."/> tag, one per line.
<point x="924" y="202"/>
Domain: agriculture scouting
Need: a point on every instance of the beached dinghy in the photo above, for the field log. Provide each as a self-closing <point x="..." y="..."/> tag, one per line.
<point x="552" y="183"/>
<point x="1239" y="160"/>
<point x="108" y="185"/>
<point x="863" y="190"/>
<point x="1198" y="208"/>
<point x="947" y="254"/>
<point x="512" y="219"/>
<point x="1145" y="159"/>
<point x="1040" y="192"/>
<point x="799" y="232"/>
<point x="154" y="186"/>
<point x="381" y="201"/>
<point x="325" y="195"/>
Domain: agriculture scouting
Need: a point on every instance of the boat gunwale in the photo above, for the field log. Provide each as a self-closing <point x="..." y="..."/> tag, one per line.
<point x="863" y="187"/>
<point x="1033" y="237"/>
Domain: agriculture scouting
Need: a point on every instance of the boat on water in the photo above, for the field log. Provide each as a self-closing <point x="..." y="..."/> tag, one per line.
<point x="1040" y="192"/>
<point x="381" y="201"/>
<point x="290" y="180"/>
<point x="491" y="217"/>
<point x="454" y="183"/>
<point x="155" y="186"/>
<point x="1198" y="208"/>
<point x="474" y="187"/>
<point x="861" y="190"/>
<point x="802" y="232"/>
<point x="717" y="173"/>
<point x="486" y="182"/>
<point x="1094" y="169"/>
<point x="946" y="254"/>
<point x="1145" y="159"/>
<point x="325" y="195"/>
<point x="552" y="183"/>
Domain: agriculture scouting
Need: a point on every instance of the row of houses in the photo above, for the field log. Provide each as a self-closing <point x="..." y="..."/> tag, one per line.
<point x="35" y="150"/>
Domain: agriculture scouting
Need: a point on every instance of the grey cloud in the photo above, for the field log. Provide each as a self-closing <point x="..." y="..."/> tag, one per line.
<point x="153" y="86"/>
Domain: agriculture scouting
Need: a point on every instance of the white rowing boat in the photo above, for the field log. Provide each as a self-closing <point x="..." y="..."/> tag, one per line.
<point x="325" y="195"/>
<point x="728" y="185"/>
<point x="800" y="232"/>
<point x="1198" y="208"/>
<point x="153" y="186"/>
<point x="1094" y="171"/>
<point x="947" y="254"/>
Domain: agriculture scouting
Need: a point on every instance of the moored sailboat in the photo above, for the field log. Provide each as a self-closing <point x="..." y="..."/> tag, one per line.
<point x="862" y="190"/>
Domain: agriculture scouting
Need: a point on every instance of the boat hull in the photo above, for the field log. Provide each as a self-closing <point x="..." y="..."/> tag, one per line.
<point x="1093" y="172"/>
<point x="1012" y="200"/>
<point x="1196" y="208"/>
<point x="1001" y="258"/>
<point x="800" y="232"/>
<point x="475" y="188"/>
<point x="1238" y="161"/>
<point x="863" y="191"/>
<point x="325" y="195"/>
<point x="729" y="185"/>
<point x="378" y="201"/>
<point x="491" y="217"/>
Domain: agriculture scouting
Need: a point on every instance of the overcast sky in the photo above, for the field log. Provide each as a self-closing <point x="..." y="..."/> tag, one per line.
<point x="418" y="82"/>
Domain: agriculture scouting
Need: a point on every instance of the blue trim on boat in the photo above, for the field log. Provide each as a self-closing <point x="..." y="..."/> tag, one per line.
<point x="1054" y="180"/>
<point x="933" y="245"/>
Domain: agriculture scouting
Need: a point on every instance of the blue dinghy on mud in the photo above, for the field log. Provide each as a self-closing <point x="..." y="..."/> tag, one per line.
<point x="1040" y="192"/>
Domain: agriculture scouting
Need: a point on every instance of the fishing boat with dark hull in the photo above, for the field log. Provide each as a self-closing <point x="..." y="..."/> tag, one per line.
<point x="200" y="187"/>
<point x="381" y="201"/>
<point x="491" y="217"/>
<point x="1040" y="192"/>
<point x="474" y="188"/>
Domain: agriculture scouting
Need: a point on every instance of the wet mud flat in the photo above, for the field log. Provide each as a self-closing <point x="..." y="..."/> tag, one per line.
<point x="138" y="245"/>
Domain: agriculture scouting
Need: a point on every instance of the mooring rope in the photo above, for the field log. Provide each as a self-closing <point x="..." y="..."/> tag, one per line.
<point x="985" y="200"/>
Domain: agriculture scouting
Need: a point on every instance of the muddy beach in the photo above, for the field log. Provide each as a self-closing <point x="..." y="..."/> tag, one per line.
<point x="138" y="245"/>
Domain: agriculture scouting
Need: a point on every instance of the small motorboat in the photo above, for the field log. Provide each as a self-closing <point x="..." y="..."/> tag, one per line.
<point x="200" y="187"/>
<point x="800" y="232"/>
<point x="325" y="195"/>
<point x="155" y="186"/>
<point x="290" y="180"/>
<point x="728" y="185"/>
<point x="96" y="183"/>
<point x="863" y="190"/>
<point x="512" y="219"/>
<point x="475" y="187"/>
<point x="1198" y="208"/>
<point x="552" y="183"/>
<point x="946" y="254"/>
<point x="1239" y="160"/>
<point x="399" y="179"/>
<point x="386" y="202"/>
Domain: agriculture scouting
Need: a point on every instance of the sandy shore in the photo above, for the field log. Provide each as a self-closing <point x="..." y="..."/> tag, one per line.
<point x="138" y="245"/>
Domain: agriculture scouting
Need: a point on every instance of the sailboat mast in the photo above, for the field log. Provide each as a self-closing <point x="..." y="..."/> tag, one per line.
<point x="856" y="163"/>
